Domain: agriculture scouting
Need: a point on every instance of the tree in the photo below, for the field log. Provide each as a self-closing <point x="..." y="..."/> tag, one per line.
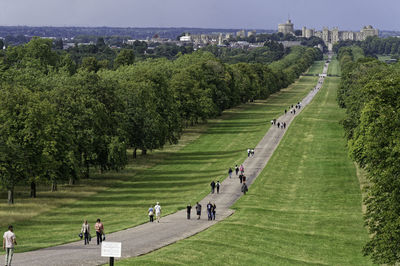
<point x="125" y="57"/>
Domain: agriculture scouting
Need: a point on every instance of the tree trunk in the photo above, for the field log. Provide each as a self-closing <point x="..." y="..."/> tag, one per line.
<point x="144" y="152"/>
<point x="54" y="186"/>
<point x="87" y="169"/>
<point x="11" y="196"/>
<point x="134" y="153"/>
<point x="71" y="181"/>
<point x="33" y="189"/>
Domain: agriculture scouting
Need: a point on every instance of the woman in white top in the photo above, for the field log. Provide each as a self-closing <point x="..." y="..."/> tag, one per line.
<point x="86" y="231"/>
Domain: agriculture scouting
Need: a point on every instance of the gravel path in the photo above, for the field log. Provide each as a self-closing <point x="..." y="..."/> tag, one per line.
<point x="151" y="236"/>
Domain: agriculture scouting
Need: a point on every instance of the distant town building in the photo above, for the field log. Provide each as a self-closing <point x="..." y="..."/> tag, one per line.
<point x="251" y="33"/>
<point x="185" y="38"/>
<point x="241" y="34"/>
<point x="286" y="28"/>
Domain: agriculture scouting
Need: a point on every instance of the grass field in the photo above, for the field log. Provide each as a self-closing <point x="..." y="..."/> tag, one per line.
<point x="304" y="208"/>
<point x="174" y="176"/>
<point x="316" y="68"/>
<point x="334" y="68"/>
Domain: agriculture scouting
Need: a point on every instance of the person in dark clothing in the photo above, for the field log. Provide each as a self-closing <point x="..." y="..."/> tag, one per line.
<point x="213" y="211"/>
<point x="212" y="186"/>
<point x="230" y="172"/>
<point x="236" y="169"/>
<point x="188" y="210"/>
<point x="33" y="189"/>
<point x="218" y="186"/>
<point x="244" y="179"/>
<point x="244" y="188"/>
<point x="285" y="111"/>
<point x="198" y="210"/>
<point x="284" y="124"/>
<point x="278" y="124"/>
<point x="209" y="211"/>
<point x="240" y="178"/>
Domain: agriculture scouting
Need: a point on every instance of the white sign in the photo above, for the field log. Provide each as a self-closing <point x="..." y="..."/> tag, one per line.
<point x="111" y="249"/>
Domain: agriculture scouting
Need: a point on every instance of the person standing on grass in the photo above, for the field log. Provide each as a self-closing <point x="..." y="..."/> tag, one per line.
<point x="157" y="208"/>
<point x="9" y="241"/>
<point x="236" y="169"/>
<point x="244" y="188"/>
<point x="212" y="186"/>
<point x="151" y="214"/>
<point x="188" y="209"/>
<point x="198" y="210"/>
<point x="230" y="172"/>
<point x="218" y="186"/>
<point x="86" y="231"/>
<point x="213" y="210"/>
<point x="99" y="231"/>
<point x="209" y="211"/>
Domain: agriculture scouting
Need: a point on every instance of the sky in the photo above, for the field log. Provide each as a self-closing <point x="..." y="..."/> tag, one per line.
<point x="229" y="14"/>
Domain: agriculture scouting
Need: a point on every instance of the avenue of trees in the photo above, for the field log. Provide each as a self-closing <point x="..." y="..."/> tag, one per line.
<point x="370" y="93"/>
<point x="60" y="120"/>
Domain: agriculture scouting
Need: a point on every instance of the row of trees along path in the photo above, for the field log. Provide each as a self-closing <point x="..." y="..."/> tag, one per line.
<point x="148" y="237"/>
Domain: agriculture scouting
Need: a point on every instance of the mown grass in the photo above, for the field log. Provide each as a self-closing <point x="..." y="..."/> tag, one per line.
<point x="304" y="208"/>
<point x="173" y="176"/>
<point x="316" y="68"/>
<point x="334" y="68"/>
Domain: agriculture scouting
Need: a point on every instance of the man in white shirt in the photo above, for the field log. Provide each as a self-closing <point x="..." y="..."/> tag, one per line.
<point x="157" y="208"/>
<point x="8" y="244"/>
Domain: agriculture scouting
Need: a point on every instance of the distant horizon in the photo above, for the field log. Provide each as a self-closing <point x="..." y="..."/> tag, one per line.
<point x="207" y="14"/>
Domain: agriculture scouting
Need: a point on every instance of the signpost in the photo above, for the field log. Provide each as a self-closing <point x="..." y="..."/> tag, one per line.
<point x="112" y="250"/>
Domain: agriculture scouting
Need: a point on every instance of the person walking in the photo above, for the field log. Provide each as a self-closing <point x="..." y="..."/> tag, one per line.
<point x="209" y="211"/>
<point x="230" y="172"/>
<point x="198" y="210"/>
<point x="285" y="111"/>
<point x="218" y="186"/>
<point x="157" y="209"/>
<point x="212" y="186"/>
<point x="151" y="214"/>
<point x="236" y="169"/>
<point x="99" y="231"/>
<point x="9" y="241"/>
<point x="241" y="178"/>
<point x="248" y="152"/>
<point x="284" y="125"/>
<point x="86" y="231"/>
<point x="242" y="169"/>
<point x="278" y="124"/>
<point x="213" y="210"/>
<point x="188" y="210"/>
<point x="244" y="188"/>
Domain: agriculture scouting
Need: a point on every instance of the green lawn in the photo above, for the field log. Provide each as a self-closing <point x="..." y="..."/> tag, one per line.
<point x="174" y="176"/>
<point x="304" y="208"/>
<point x="334" y="68"/>
<point x="316" y="68"/>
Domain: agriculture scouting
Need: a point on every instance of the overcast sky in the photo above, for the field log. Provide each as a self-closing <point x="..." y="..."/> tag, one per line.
<point x="249" y="14"/>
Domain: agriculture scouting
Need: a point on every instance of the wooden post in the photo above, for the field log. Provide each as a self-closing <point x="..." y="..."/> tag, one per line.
<point x="111" y="261"/>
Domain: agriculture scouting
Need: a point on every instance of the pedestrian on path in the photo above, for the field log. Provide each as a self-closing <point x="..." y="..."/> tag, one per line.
<point x="214" y="207"/>
<point x="99" y="231"/>
<point x="236" y="169"/>
<point x="188" y="210"/>
<point x="230" y="172"/>
<point x="244" y="188"/>
<point x="241" y="178"/>
<point x="86" y="231"/>
<point x="209" y="211"/>
<point x="248" y="152"/>
<point x="157" y="208"/>
<point x="218" y="186"/>
<point x="198" y="210"/>
<point x="9" y="241"/>
<point x="278" y="124"/>
<point x="252" y="152"/>
<point x="284" y="125"/>
<point x="244" y="179"/>
<point x="151" y="214"/>
<point x="212" y="184"/>
<point x="242" y="169"/>
<point x="285" y="111"/>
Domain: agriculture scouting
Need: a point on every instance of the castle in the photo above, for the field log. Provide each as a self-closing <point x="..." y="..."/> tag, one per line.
<point x="330" y="37"/>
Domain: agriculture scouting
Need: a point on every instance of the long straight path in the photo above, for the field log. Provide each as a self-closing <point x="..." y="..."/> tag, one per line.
<point x="148" y="237"/>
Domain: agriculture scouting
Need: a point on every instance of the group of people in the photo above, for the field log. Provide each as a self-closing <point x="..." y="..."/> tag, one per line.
<point x="250" y="152"/>
<point x="215" y="185"/>
<point x="242" y="178"/>
<point x="157" y="211"/>
<point x="85" y="232"/>
<point x="279" y="124"/>
<point x="211" y="210"/>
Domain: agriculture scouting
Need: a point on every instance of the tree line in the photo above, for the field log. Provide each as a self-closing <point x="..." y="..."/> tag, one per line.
<point x="370" y="93"/>
<point x="373" y="46"/>
<point x="57" y="123"/>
